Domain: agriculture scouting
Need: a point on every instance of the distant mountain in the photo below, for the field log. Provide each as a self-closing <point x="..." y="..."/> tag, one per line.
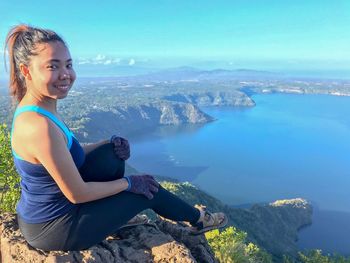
<point x="185" y="73"/>
<point x="193" y="74"/>
<point x="239" y="73"/>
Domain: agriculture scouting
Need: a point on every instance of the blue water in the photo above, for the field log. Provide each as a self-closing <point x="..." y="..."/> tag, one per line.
<point x="287" y="146"/>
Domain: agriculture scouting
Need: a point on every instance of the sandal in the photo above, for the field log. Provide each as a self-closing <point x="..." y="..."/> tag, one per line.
<point x="135" y="221"/>
<point x="208" y="221"/>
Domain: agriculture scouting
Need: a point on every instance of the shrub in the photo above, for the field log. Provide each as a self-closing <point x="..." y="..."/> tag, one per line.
<point x="9" y="178"/>
<point x="230" y="246"/>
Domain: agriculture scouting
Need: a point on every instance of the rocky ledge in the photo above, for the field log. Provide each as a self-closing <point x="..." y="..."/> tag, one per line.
<point x="158" y="241"/>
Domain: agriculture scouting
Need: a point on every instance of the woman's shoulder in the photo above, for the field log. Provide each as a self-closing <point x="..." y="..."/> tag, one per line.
<point x="30" y="123"/>
<point x="30" y="130"/>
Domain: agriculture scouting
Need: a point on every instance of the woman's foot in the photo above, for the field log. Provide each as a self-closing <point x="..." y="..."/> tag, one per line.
<point x="208" y="221"/>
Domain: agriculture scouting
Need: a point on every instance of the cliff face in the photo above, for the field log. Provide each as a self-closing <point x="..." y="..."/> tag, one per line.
<point x="160" y="241"/>
<point x="126" y="120"/>
<point x="274" y="226"/>
<point x="213" y="98"/>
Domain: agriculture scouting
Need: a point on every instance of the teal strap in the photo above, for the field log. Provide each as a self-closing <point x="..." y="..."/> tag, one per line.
<point x="48" y="114"/>
<point x="16" y="155"/>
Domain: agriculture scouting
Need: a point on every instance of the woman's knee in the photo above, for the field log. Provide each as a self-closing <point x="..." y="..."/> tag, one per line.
<point x="102" y="164"/>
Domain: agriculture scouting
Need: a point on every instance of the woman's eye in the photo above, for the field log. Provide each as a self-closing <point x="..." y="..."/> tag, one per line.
<point x="70" y="66"/>
<point x="51" y="66"/>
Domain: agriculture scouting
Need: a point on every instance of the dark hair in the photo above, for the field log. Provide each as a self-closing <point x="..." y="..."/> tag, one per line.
<point x="21" y="43"/>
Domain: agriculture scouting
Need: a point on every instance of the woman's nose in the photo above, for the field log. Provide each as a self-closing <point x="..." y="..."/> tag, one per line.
<point x="64" y="74"/>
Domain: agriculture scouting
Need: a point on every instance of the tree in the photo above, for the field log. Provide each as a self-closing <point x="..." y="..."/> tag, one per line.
<point x="230" y="246"/>
<point x="9" y="178"/>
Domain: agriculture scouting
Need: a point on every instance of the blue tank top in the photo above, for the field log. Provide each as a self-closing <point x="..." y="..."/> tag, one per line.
<point x="41" y="199"/>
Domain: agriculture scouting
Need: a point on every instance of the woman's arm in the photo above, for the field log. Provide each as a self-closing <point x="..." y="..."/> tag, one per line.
<point x="47" y="145"/>
<point x="92" y="146"/>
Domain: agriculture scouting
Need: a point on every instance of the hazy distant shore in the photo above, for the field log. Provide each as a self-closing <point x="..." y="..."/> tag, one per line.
<point x="97" y="107"/>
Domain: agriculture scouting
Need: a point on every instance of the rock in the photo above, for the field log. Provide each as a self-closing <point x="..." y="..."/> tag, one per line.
<point x="160" y="241"/>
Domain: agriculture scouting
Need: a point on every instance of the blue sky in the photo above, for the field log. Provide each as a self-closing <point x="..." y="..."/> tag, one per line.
<point x="241" y="33"/>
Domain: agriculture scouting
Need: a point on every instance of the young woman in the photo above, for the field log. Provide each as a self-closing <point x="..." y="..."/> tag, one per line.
<point x="72" y="197"/>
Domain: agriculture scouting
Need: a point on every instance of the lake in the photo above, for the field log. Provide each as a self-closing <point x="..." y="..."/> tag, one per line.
<point x="287" y="146"/>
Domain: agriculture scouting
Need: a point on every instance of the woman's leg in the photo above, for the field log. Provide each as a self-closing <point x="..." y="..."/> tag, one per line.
<point x="95" y="220"/>
<point x="102" y="165"/>
<point x="89" y="223"/>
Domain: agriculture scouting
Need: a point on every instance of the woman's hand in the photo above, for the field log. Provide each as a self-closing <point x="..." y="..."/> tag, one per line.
<point x="121" y="147"/>
<point x="142" y="184"/>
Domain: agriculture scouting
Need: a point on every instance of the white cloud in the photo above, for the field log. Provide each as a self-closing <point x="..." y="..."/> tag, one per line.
<point x="131" y="62"/>
<point x="100" y="57"/>
<point x="82" y="61"/>
<point x="116" y="60"/>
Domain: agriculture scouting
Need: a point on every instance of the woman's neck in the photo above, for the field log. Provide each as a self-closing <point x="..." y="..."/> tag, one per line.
<point x="47" y="104"/>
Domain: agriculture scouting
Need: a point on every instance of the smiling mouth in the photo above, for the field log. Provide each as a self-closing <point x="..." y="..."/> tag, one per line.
<point x="62" y="87"/>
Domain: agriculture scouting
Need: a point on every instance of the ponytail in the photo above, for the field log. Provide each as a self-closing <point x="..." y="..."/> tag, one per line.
<point x="17" y="84"/>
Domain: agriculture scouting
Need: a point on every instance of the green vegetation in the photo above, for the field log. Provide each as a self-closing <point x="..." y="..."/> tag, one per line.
<point x="230" y="246"/>
<point x="9" y="178"/>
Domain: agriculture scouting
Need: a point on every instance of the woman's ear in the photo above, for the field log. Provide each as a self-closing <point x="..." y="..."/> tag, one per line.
<point x="25" y="71"/>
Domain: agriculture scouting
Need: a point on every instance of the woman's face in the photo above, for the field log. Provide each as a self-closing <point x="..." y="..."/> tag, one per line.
<point x="51" y="71"/>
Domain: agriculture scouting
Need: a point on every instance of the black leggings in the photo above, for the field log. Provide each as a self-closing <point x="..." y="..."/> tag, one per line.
<point x="89" y="223"/>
